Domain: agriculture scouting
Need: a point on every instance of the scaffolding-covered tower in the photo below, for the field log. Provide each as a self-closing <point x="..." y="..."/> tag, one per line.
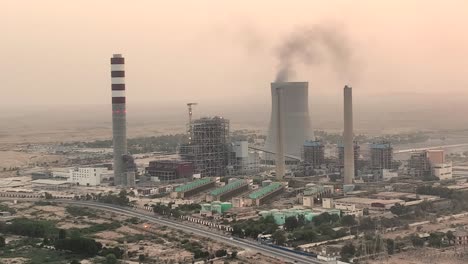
<point x="208" y="150"/>
<point x="313" y="153"/>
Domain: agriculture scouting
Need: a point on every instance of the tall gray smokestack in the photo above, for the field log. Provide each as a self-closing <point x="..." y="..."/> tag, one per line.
<point x="348" y="136"/>
<point x="280" y="161"/>
<point x="119" y="123"/>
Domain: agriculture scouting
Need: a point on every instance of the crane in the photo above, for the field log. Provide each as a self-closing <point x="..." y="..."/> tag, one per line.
<point x="189" y="130"/>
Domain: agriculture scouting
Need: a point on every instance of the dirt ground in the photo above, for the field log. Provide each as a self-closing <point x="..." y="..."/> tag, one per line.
<point x="428" y="256"/>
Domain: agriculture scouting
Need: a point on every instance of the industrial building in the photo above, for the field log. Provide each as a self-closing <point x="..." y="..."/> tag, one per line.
<point x="314" y="193"/>
<point x="263" y="194"/>
<point x="50" y="185"/>
<point x="289" y="122"/>
<point x="281" y="215"/>
<point x="193" y="188"/>
<point x="123" y="176"/>
<point x="419" y="165"/>
<point x="169" y="170"/>
<point x="207" y="209"/>
<point x="242" y="161"/>
<point x="381" y="155"/>
<point x="429" y="163"/>
<point x="313" y="153"/>
<point x="87" y="176"/>
<point x="228" y="191"/>
<point x="208" y="150"/>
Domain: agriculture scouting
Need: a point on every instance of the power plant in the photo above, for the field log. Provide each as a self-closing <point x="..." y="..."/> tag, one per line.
<point x="348" y="136"/>
<point x="119" y="124"/>
<point x="290" y="122"/>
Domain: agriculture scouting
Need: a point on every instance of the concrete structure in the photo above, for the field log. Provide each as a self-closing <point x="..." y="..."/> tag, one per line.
<point x="419" y="165"/>
<point x="381" y="155"/>
<point x="281" y="215"/>
<point x="207" y="209"/>
<point x="443" y="171"/>
<point x="263" y="194"/>
<point x="289" y="103"/>
<point x="208" y="150"/>
<point x="87" y="176"/>
<point x="361" y="203"/>
<point x="436" y="156"/>
<point x="243" y="161"/>
<point x="170" y="170"/>
<point x="51" y="185"/>
<point x="348" y="137"/>
<point x="314" y="153"/>
<point x="357" y="153"/>
<point x="228" y="191"/>
<point x="193" y="188"/>
<point x="461" y="237"/>
<point x="119" y="122"/>
<point x="388" y="174"/>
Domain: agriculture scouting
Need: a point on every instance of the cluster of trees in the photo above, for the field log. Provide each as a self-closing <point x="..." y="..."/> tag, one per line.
<point x="162" y="209"/>
<point x="6" y="208"/>
<point x="80" y="211"/>
<point x="252" y="228"/>
<point x="110" y="198"/>
<point x="79" y="245"/>
<point x="29" y="228"/>
<point x="436" y="239"/>
<point x="164" y="143"/>
<point x="438" y="191"/>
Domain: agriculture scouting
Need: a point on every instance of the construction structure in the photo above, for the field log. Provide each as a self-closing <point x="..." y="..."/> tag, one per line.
<point x="348" y="136"/>
<point x="119" y="122"/>
<point x="193" y="188"/>
<point x="313" y="153"/>
<point x="289" y="122"/>
<point x="189" y="126"/>
<point x="266" y="193"/>
<point x="381" y="155"/>
<point x="169" y="170"/>
<point x="228" y="191"/>
<point x="208" y="150"/>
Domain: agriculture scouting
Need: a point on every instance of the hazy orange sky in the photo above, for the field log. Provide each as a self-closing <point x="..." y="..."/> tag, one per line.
<point x="57" y="52"/>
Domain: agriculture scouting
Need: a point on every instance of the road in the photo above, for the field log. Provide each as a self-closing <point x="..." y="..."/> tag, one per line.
<point x="149" y="217"/>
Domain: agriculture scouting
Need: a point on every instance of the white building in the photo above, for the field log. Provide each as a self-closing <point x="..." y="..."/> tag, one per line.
<point x="87" y="176"/>
<point x="388" y="174"/>
<point x="443" y="171"/>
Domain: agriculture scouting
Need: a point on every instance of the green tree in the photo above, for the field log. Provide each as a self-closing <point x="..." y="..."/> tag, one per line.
<point x="220" y="253"/>
<point x="234" y="254"/>
<point x="417" y="241"/>
<point x="291" y="223"/>
<point x="62" y="234"/>
<point x="450" y="237"/>
<point x="75" y="262"/>
<point x="141" y="258"/>
<point x="390" y="246"/>
<point x="279" y="237"/>
<point x="348" y="220"/>
<point x="2" y="242"/>
<point x="111" y="259"/>
<point x="435" y="239"/>
<point x="399" y="209"/>
<point x="347" y="252"/>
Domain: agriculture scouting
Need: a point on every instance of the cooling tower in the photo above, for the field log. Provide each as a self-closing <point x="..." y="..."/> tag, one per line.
<point x="348" y="136"/>
<point x="119" y="123"/>
<point x="296" y="128"/>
